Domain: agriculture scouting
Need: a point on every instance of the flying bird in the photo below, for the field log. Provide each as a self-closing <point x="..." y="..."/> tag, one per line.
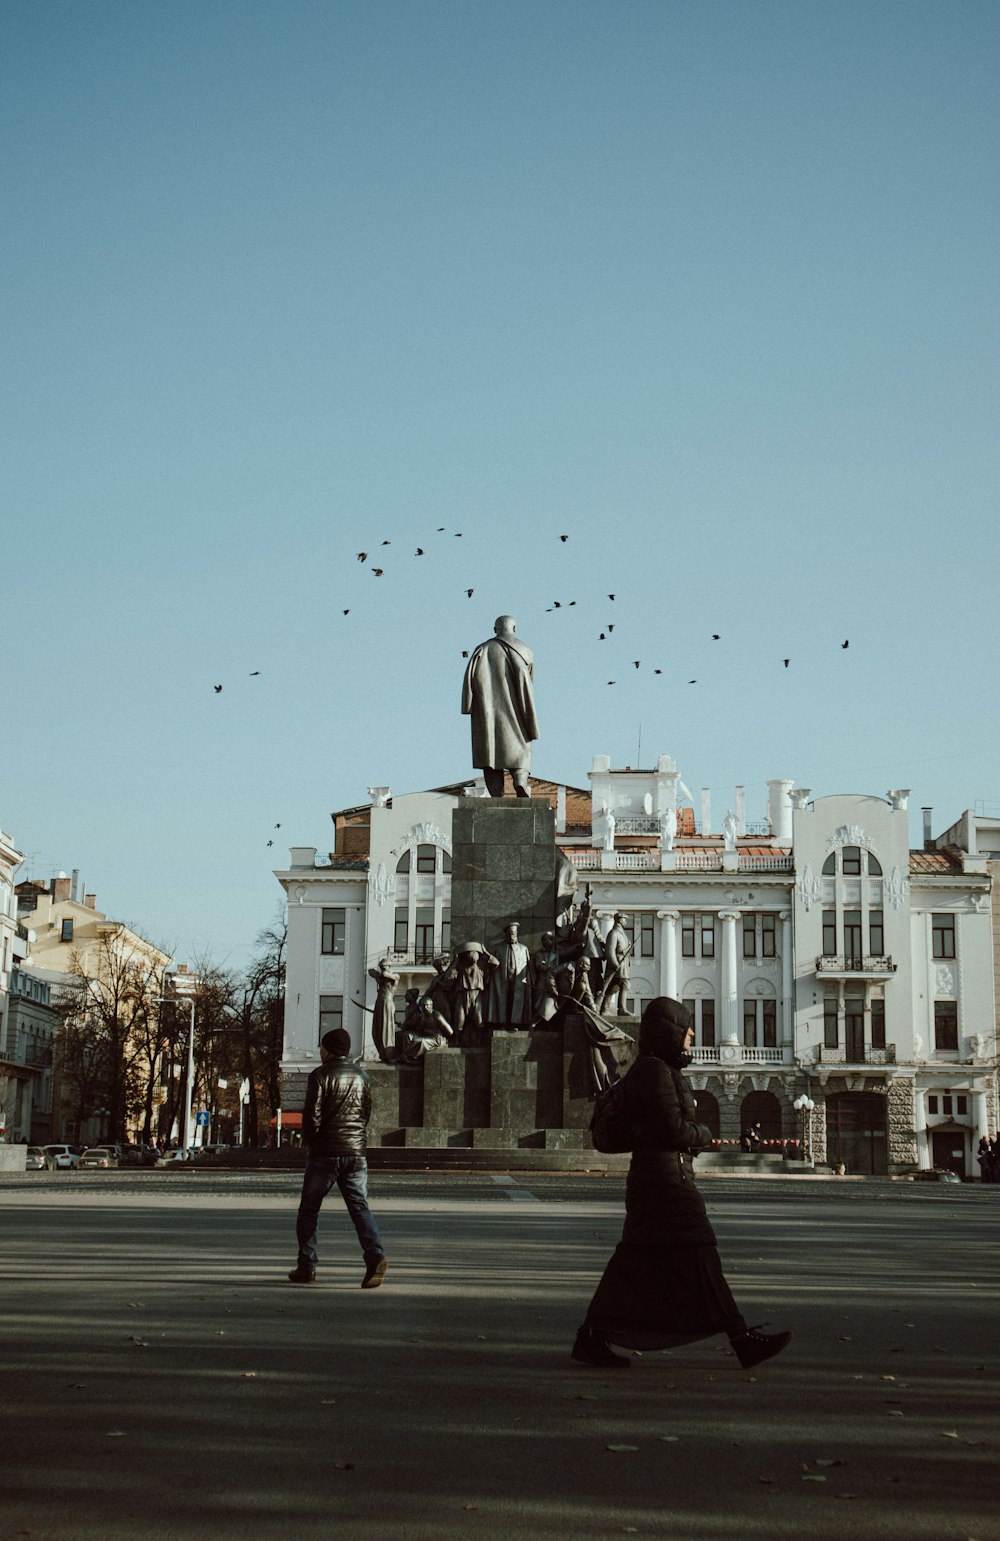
<point x="465" y="652"/>
<point x="657" y="671"/>
<point x="420" y="551"/>
<point x="347" y="612"/>
<point x="557" y="604"/>
<point x="440" y="529"/>
<point x="846" y="644"/>
<point x="362" y="556"/>
<point x="603" y="637"/>
<point x="378" y="571"/>
<point x="637" y="662"/>
<point x="564" y="537"/>
<point x="254" y="673"/>
<point x="387" y="543"/>
<point x="470" y="592"/>
<point x="270" y="842"/>
<point x="277" y="826"/>
<point x="692" y="682"/>
<point x="715" y="636"/>
<point x="217" y="689"/>
<point x="611" y="682"/>
<point x="611" y="626"/>
<point x="786" y="662"/>
<point x="458" y="535"/>
<point x="611" y="596"/>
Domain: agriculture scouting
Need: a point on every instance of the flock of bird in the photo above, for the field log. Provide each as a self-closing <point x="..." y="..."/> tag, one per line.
<point x="605" y="634"/>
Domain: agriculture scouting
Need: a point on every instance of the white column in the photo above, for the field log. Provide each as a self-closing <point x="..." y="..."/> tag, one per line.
<point x="920" y="1128"/>
<point x="980" y="1116"/>
<point x="668" y="951"/>
<point x="787" y="982"/>
<point x="730" y="988"/>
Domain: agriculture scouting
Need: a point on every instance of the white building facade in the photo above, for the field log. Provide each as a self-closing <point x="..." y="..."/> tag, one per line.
<point x="821" y="957"/>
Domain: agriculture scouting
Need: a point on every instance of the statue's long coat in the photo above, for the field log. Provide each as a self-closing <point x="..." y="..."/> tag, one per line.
<point x="499" y="695"/>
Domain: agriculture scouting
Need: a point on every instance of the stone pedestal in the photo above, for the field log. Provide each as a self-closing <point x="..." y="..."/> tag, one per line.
<point x="526" y="1080"/>
<point x="503" y="868"/>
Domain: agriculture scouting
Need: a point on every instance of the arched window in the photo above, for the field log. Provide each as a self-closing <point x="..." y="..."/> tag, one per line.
<point x="874" y="866"/>
<point x="403" y="864"/>
<point x="830" y="865"/>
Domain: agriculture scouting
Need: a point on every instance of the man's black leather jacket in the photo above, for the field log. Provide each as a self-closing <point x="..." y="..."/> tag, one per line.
<point x="338" y="1105"/>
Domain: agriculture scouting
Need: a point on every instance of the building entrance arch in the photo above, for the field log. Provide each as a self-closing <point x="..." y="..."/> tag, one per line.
<point x="856" y="1132"/>
<point x="761" y="1108"/>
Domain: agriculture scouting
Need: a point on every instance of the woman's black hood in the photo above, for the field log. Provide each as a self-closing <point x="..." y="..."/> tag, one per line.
<point x="665" y="1025"/>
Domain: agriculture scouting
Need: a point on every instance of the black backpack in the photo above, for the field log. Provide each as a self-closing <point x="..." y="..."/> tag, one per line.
<point x="610" y="1126"/>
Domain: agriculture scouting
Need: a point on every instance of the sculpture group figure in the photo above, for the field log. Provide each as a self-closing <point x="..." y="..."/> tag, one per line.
<point x="572" y="976"/>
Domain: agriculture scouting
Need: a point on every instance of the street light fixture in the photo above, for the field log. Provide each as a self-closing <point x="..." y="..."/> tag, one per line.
<point x="178" y="1000"/>
<point x="805" y="1105"/>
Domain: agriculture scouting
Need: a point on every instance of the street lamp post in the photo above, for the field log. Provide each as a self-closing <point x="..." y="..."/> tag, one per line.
<point x="174" y="1000"/>
<point x="805" y="1105"/>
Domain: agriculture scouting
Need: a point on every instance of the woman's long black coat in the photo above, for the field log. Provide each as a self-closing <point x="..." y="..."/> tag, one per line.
<point x="662" y="1202"/>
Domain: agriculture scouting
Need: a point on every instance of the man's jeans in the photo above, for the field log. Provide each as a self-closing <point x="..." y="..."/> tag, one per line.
<point x="350" y="1173"/>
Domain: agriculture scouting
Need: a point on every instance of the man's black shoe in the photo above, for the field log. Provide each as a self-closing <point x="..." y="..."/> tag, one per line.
<point x="302" y="1274"/>
<point x="376" y="1273"/>
<point x="590" y="1348"/>
<point x="753" y="1347"/>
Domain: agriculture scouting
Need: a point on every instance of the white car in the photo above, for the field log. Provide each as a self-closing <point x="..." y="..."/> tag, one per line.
<point x="61" y="1158"/>
<point x="34" y="1161"/>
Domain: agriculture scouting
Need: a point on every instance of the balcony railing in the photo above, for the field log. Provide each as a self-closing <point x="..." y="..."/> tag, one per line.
<point x="415" y="957"/>
<point x="846" y="963"/>
<point x="685" y="861"/>
<point x="737" y="1053"/>
<point x="637" y="824"/>
<point x="858" y="1055"/>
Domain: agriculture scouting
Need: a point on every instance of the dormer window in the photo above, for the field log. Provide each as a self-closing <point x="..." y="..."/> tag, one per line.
<point x="66" y="933"/>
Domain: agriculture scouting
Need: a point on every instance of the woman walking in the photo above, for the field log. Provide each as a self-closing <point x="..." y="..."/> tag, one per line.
<point x="664" y="1284"/>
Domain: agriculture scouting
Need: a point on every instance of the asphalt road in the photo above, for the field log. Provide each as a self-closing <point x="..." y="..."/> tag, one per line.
<point x="163" y="1380"/>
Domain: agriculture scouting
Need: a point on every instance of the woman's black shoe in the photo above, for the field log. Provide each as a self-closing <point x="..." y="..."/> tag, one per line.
<point x="302" y="1274"/>
<point x="753" y="1347"/>
<point x="591" y="1348"/>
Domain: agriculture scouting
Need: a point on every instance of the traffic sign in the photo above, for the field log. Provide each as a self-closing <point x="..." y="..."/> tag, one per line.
<point x="203" y="1118"/>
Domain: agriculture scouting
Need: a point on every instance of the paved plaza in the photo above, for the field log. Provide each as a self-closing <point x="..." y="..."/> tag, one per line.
<point x="163" y="1381"/>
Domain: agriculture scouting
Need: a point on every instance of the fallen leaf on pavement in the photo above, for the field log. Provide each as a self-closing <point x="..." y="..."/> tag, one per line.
<point x="669" y="1439"/>
<point x="894" y="1412"/>
<point x="249" y="1374"/>
<point x="948" y="1434"/>
<point x="620" y="1448"/>
<point x="813" y="1477"/>
<point x="828" y="1461"/>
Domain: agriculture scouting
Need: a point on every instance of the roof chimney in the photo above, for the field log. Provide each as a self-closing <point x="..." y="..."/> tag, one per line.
<point x="61" y="888"/>
<point x="928" y="837"/>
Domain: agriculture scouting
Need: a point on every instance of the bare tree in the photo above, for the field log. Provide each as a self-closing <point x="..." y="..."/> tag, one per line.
<point x="105" y="1050"/>
<point x="259" y="1005"/>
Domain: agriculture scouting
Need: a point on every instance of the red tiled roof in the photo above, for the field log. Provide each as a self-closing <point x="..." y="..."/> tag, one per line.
<point x="935" y="861"/>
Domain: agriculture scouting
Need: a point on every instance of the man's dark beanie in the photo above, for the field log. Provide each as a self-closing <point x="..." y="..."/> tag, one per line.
<point x="337" y="1042"/>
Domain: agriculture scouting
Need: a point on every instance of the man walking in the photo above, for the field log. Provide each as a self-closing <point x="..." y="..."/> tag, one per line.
<point x="337" y="1108"/>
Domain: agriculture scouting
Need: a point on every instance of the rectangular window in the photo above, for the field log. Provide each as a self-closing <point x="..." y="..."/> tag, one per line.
<point x="831" y="1026"/>
<point x="767" y="937"/>
<point x="423" y="938"/>
<point x="401" y="938"/>
<point x="932" y="1105"/>
<point x="829" y="933"/>
<point x="331" y="1013"/>
<point x="708" y="936"/>
<point x="426" y="858"/>
<point x="878" y="1024"/>
<point x="749" y="936"/>
<point x="770" y="1014"/>
<point x="853" y="945"/>
<point x="708" y="1024"/>
<point x="946" y="1106"/>
<point x="943" y="936"/>
<point x="446" y="930"/>
<point x="687" y="936"/>
<point x="334" y="929"/>
<point x="876" y="934"/>
<point x="961" y="1104"/>
<point x="749" y="1024"/>
<point x="945" y="1025"/>
<point x="66" y="933"/>
<point x="854" y="1028"/>
<point x="646" y="935"/>
<point x="850" y="861"/>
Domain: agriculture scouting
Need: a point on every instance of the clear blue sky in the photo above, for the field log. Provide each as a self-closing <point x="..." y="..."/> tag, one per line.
<point x="709" y="287"/>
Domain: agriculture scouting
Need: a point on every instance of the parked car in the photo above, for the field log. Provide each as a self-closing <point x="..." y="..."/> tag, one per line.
<point x="62" y="1158"/>
<point x="138" y="1155"/>
<point x="98" y="1157"/>
<point x="938" y="1174"/>
<point x="34" y="1161"/>
<point x="178" y="1155"/>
